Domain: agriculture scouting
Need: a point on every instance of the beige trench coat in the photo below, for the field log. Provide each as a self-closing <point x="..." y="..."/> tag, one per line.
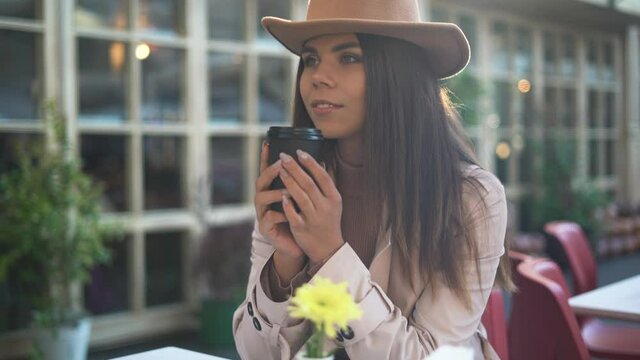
<point x="400" y="321"/>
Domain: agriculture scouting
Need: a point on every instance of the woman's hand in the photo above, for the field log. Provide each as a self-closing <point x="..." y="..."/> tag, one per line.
<point x="273" y="224"/>
<point x="316" y="229"/>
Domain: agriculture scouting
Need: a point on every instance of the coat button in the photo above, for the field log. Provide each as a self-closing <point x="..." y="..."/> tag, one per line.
<point x="256" y="324"/>
<point x="347" y="334"/>
<point x="339" y="338"/>
<point x="250" y="309"/>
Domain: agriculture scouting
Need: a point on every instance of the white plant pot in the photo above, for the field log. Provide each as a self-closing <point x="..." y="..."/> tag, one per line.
<point x="71" y="342"/>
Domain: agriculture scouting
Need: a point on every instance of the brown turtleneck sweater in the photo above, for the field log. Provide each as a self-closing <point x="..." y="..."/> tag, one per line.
<point x="358" y="229"/>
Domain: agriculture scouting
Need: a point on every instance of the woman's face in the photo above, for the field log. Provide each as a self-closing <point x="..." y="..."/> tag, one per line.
<point x="332" y="85"/>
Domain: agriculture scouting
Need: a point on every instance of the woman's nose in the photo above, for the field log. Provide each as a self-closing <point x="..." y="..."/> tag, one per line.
<point x="323" y="76"/>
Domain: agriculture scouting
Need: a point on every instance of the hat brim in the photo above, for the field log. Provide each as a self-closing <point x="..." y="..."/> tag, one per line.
<point x="445" y="44"/>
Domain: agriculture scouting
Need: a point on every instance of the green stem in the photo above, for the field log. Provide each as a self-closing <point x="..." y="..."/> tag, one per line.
<point x="315" y="345"/>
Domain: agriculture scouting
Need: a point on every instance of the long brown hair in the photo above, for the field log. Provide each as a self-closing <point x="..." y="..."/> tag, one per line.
<point x="412" y="131"/>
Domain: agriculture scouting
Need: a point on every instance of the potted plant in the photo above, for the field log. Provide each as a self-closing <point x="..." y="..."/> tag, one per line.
<point x="224" y="266"/>
<point x="50" y="219"/>
<point x="561" y="195"/>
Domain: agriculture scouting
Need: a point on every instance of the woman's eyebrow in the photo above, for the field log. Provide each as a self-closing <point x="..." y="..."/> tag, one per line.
<point x="336" y="48"/>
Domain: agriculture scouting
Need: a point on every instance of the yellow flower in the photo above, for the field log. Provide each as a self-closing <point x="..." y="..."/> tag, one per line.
<point x="326" y="304"/>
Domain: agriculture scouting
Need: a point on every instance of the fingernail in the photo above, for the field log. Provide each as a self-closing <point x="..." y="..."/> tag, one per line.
<point x="285" y="158"/>
<point x="277" y="163"/>
<point x="285" y="192"/>
<point x="302" y="155"/>
<point x="283" y="173"/>
<point x="284" y="199"/>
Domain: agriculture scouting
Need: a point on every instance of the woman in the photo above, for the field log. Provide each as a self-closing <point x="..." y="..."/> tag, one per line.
<point x="400" y="211"/>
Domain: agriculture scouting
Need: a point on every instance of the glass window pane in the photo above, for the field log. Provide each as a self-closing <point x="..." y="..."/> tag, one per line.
<point x="568" y="116"/>
<point x="524" y="51"/>
<point x="503" y="102"/>
<point x="275" y="90"/>
<point x="108" y="290"/>
<point x="29" y="9"/>
<point x="526" y="162"/>
<point x="20" y="78"/>
<point x="524" y="108"/>
<point x="610" y="119"/>
<point x="568" y="59"/>
<point x="550" y="55"/>
<point x="592" y="61"/>
<point x="608" y="73"/>
<point x="594" y="118"/>
<point x="550" y="107"/>
<point x="163" y="268"/>
<point x="610" y="157"/>
<point x="223" y="260"/>
<point x="226" y="88"/>
<point x="162" y="85"/>
<point x="500" y="42"/>
<point x="164" y="17"/>
<point x="105" y="159"/>
<point x="163" y="175"/>
<point x="11" y="145"/>
<point x="102" y="81"/>
<point x="279" y="8"/>
<point x="226" y="19"/>
<point x="100" y="13"/>
<point x="227" y="170"/>
<point x="594" y="155"/>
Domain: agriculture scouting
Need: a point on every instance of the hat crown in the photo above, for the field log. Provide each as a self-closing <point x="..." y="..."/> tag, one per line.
<point x="384" y="10"/>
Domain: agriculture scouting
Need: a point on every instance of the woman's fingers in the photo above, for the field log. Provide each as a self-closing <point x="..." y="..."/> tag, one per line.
<point x="275" y="217"/>
<point x="264" y="198"/>
<point x="297" y="193"/>
<point x="294" y="219"/>
<point x="264" y="156"/>
<point x="320" y="174"/>
<point x="267" y="176"/>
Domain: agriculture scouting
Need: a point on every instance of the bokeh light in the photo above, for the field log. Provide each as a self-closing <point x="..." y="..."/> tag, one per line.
<point x="503" y="150"/>
<point x="524" y="86"/>
<point x="142" y="51"/>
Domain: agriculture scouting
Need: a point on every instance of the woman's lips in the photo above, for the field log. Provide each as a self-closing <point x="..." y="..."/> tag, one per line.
<point x="324" y="107"/>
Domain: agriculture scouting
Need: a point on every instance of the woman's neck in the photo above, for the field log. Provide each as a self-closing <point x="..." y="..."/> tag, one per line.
<point x="351" y="150"/>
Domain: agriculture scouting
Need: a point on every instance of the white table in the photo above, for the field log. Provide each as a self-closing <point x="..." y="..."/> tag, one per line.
<point x="620" y="300"/>
<point x="169" y="353"/>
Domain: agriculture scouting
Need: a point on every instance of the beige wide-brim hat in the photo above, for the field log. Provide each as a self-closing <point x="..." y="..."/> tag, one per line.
<point x="446" y="45"/>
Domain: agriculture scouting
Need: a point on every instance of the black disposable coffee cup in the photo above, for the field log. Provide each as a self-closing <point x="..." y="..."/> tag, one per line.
<point x="287" y="139"/>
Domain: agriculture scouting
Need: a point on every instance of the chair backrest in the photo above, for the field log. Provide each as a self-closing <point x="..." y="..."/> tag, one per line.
<point x="495" y="322"/>
<point x="543" y="324"/>
<point x="516" y="258"/>
<point x="575" y="245"/>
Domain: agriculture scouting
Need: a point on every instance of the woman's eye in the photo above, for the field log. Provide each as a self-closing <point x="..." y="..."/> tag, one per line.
<point x="350" y="58"/>
<point x="310" y="61"/>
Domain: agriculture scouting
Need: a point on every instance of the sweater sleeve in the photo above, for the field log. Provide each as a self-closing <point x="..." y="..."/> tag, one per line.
<point x="436" y="319"/>
<point x="262" y="328"/>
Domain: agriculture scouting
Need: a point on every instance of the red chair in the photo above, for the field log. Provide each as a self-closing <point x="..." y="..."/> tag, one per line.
<point x="495" y="322"/>
<point x="602" y="339"/>
<point x="543" y="326"/>
<point x="516" y="258"/>
<point x="576" y="248"/>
